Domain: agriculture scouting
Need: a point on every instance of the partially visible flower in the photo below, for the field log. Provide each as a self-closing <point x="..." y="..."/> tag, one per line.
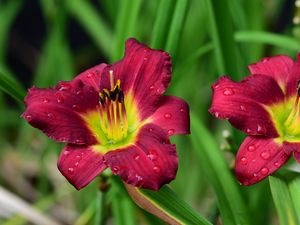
<point x="114" y="116"/>
<point x="265" y="105"/>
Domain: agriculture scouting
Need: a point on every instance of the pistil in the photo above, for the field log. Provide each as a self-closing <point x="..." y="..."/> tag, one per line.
<point x="113" y="118"/>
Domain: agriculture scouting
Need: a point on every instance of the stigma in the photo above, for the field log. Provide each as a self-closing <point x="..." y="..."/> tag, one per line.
<point x="113" y="118"/>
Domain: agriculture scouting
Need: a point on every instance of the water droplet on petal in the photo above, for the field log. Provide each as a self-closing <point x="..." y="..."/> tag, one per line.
<point x="76" y="164"/>
<point x="79" y="141"/>
<point x="253" y="160"/>
<point x="248" y="131"/>
<point x="260" y="129"/>
<point x="64" y="86"/>
<point x="251" y="148"/>
<point x="277" y="164"/>
<point x="60" y="99"/>
<point x="168" y="115"/>
<point x="50" y="115"/>
<point x="156" y="169"/>
<point x="46" y="100"/>
<point x="228" y="92"/>
<point x="136" y="157"/>
<point x="264" y="171"/>
<point x="150" y="129"/>
<point x="79" y="92"/>
<point x="216" y="114"/>
<point x="115" y="169"/>
<point x="244" y="160"/>
<point x="138" y="177"/>
<point x="76" y="107"/>
<point x="152" y="155"/>
<point x="242" y="107"/>
<point x="71" y="170"/>
<point x="89" y="75"/>
<point x="265" y="155"/>
<point x="171" y="131"/>
<point x="216" y="85"/>
<point x="28" y="117"/>
<point x="182" y="110"/>
<point x="78" y="156"/>
<point x="151" y="87"/>
<point x="66" y="152"/>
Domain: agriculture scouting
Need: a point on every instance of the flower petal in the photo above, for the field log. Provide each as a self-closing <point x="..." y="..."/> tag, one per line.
<point x="91" y="77"/>
<point x="242" y="103"/>
<point x="57" y="111"/>
<point x="172" y="116"/>
<point x="297" y="156"/>
<point x="150" y="163"/>
<point x="144" y="72"/>
<point x="257" y="158"/>
<point x="277" y="67"/>
<point x="80" y="164"/>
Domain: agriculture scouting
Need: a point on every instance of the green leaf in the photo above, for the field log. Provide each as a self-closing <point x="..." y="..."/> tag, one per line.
<point x="222" y="35"/>
<point x="176" y="27"/>
<point x="89" y="18"/>
<point x="126" y="25"/>
<point x="283" y="202"/>
<point x="161" y="24"/>
<point x="12" y="88"/>
<point x="230" y="202"/>
<point x="268" y="38"/>
<point x="294" y="188"/>
<point x="166" y="205"/>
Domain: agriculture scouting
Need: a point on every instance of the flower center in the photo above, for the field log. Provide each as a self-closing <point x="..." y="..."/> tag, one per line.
<point x="113" y="118"/>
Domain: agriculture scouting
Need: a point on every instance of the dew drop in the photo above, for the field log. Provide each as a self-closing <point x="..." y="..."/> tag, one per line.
<point x="156" y="169"/>
<point x="152" y="155"/>
<point x="89" y="75"/>
<point x="171" y="131"/>
<point x="215" y="85"/>
<point x="46" y="100"/>
<point x="150" y="129"/>
<point x="136" y="157"/>
<point x="264" y="171"/>
<point x="63" y="87"/>
<point x="253" y="160"/>
<point x="168" y="115"/>
<point x="244" y="160"/>
<point x="248" y="131"/>
<point x="182" y="110"/>
<point x="76" y="164"/>
<point x="251" y="148"/>
<point x="60" y="99"/>
<point x="138" y="177"/>
<point x="78" y="156"/>
<point x="116" y="169"/>
<point x="265" y="155"/>
<point x="255" y="175"/>
<point x="79" y="92"/>
<point x="277" y="164"/>
<point x="242" y="107"/>
<point x="216" y="114"/>
<point x="151" y="87"/>
<point x="260" y="129"/>
<point x="66" y="152"/>
<point x="71" y="170"/>
<point x="79" y="141"/>
<point x="50" y="115"/>
<point x="28" y="117"/>
<point x="75" y="106"/>
<point x="160" y="90"/>
<point x="228" y="92"/>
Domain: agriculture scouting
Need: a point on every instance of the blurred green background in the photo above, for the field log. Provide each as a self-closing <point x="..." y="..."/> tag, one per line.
<point x="42" y="42"/>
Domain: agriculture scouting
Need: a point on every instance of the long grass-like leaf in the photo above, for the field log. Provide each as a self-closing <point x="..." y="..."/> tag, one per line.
<point x="268" y="38"/>
<point x="90" y="19"/>
<point x="283" y="202"/>
<point x="230" y="202"/>
<point x="11" y="88"/>
<point x="222" y="35"/>
<point x="166" y="205"/>
<point x="294" y="188"/>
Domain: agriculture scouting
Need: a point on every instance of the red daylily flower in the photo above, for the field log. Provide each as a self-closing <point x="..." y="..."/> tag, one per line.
<point x="114" y="116"/>
<point x="265" y="105"/>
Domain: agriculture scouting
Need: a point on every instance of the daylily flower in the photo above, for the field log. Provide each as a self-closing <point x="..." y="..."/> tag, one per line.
<point x="114" y="116"/>
<point x="265" y="105"/>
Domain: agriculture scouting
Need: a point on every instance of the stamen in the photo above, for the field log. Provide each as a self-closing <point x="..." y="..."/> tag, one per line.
<point x="113" y="118"/>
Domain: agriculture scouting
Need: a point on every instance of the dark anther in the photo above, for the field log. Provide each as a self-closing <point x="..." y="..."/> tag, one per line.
<point x="121" y="96"/>
<point x="113" y="95"/>
<point x="101" y="100"/>
<point x="105" y="94"/>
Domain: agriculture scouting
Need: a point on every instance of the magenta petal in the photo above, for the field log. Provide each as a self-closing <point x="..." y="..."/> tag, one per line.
<point x="242" y="103"/>
<point x="80" y="164"/>
<point x="144" y="71"/>
<point x="92" y="77"/>
<point x="57" y="111"/>
<point x="172" y="116"/>
<point x="257" y="158"/>
<point x="297" y="155"/>
<point x="278" y="67"/>
<point x="150" y="163"/>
